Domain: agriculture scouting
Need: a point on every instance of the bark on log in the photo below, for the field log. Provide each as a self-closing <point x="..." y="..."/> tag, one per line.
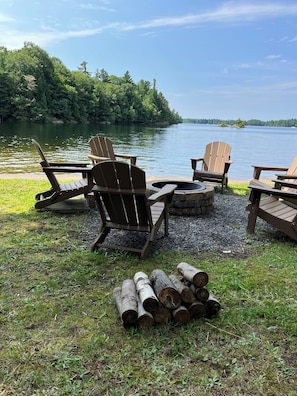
<point x="192" y="274"/>
<point x="162" y="315"/>
<point x="197" y="310"/>
<point x="145" y="319"/>
<point x="185" y="291"/>
<point x="145" y="291"/>
<point x="117" y="296"/>
<point x="181" y="314"/>
<point x="165" y="289"/>
<point x="201" y="293"/>
<point x="212" y="306"/>
<point x="129" y="305"/>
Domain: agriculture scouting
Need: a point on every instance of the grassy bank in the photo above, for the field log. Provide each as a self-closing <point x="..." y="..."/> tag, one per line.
<point x="61" y="334"/>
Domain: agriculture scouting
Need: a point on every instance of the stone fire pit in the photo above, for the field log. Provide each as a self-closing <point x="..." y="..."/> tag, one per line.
<point x="190" y="198"/>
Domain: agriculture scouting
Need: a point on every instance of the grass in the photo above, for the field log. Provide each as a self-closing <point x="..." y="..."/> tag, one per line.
<point x="61" y="334"/>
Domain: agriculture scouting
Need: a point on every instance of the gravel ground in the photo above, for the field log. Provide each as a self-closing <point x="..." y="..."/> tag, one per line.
<point x="222" y="231"/>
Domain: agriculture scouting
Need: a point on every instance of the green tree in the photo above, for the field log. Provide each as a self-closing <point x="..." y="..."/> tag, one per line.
<point x="7" y="88"/>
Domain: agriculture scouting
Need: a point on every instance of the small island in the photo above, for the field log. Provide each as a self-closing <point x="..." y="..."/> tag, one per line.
<point x="238" y="124"/>
<point x="234" y="124"/>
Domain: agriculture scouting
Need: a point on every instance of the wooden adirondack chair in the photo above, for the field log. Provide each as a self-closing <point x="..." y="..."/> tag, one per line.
<point x="214" y="165"/>
<point x="102" y="150"/>
<point x="275" y="205"/>
<point x="289" y="171"/>
<point x="123" y="203"/>
<point x="284" y="180"/>
<point x="61" y="192"/>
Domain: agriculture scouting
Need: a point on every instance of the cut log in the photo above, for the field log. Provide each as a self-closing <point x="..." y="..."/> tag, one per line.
<point x="212" y="306"/>
<point x="117" y="296"/>
<point x="165" y="289"/>
<point x="185" y="291"/>
<point x="201" y="293"/>
<point x="197" y="310"/>
<point x="192" y="274"/>
<point x="162" y="315"/>
<point x="181" y="314"/>
<point x="129" y="304"/>
<point x="145" y="291"/>
<point x="145" y="319"/>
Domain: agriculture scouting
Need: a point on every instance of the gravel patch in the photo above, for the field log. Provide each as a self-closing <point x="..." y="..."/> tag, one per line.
<point x="222" y="231"/>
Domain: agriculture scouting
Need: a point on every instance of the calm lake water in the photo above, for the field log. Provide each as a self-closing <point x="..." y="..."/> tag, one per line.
<point x="161" y="152"/>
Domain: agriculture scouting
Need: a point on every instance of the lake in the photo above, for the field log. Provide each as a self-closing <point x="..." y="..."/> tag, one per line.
<point x="161" y="152"/>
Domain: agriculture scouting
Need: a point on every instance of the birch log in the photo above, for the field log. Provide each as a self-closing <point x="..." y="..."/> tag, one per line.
<point x="212" y="306"/>
<point x="145" y="291"/>
<point x="197" y="310"/>
<point x="165" y="289"/>
<point x="162" y="315"/>
<point x="117" y="296"/>
<point x="129" y="305"/>
<point x="185" y="291"/>
<point x="201" y="293"/>
<point x="145" y="319"/>
<point x="181" y="314"/>
<point x="194" y="275"/>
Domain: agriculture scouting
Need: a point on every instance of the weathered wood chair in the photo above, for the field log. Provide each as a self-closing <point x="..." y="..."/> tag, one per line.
<point x="102" y="150"/>
<point x="288" y="171"/>
<point x="276" y="206"/>
<point x="214" y="165"/>
<point x="61" y="192"/>
<point x="123" y="203"/>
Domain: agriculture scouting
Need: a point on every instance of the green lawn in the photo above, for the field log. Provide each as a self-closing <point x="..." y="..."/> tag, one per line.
<point x="61" y="334"/>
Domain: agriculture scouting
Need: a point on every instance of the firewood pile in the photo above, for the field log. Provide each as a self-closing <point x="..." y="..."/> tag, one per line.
<point x="158" y="298"/>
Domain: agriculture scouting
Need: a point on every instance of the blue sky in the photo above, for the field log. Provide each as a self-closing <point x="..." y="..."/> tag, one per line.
<point x="210" y="59"/>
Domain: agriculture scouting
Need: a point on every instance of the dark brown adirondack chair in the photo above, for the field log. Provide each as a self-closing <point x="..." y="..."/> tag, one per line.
<point x="283" y="180"/>
<point x="288" y="171"/>
<point x="214" y="165"/>
<point x="123" y="203"/>
<point x="61" y="192"/>
<point x="102" y="150"/>
<point x="275" y="205"/>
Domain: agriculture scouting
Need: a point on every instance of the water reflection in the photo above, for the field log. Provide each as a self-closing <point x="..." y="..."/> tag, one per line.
<point x="162" y="152"/>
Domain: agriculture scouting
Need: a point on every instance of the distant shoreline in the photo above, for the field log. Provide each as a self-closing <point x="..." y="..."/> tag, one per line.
<point x="62" y="176"/>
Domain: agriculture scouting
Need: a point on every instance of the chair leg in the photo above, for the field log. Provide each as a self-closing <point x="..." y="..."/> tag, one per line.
<point x="252" y="218"/>
<point x="166" y="219"/>
<point x="146" y="248"/>
<point x="103" y="232"/>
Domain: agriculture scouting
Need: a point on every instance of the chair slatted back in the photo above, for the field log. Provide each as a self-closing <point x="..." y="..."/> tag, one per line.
<point x="122" y="188"/>
<point x="215" y="156"/>
<point x="101" y="146"/>
<point x="292" y="171"/>
<point x="44" y="163"/>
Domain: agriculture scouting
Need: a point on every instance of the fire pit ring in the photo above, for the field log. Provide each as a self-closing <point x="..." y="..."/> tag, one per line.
<point x="189" y="198"/>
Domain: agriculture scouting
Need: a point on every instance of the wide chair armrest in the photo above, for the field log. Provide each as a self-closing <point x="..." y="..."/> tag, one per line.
<point x="194" y="162"/>
<point x="227" y="165"/>
<point x="132" y="158"/>
<point x="70" y="164"/>
<point x="166" y="192"/>
<point x="98" y="159"/>
<point x="67" y="169"/>
<point x="256" y="185"/>
<point x="259" y="168"/>
<point x="284" y="183"/>
<point x="286" y="176"/>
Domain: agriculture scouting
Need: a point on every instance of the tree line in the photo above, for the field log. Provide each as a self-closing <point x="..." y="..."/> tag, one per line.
<point x="292" y="122"/>
<point x="39" y="88"/>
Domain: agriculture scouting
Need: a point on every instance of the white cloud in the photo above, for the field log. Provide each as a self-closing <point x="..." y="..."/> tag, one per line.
<point x="229" y="12"/>
<point x="273" y="57"/>
<point x="4" y="18"/>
